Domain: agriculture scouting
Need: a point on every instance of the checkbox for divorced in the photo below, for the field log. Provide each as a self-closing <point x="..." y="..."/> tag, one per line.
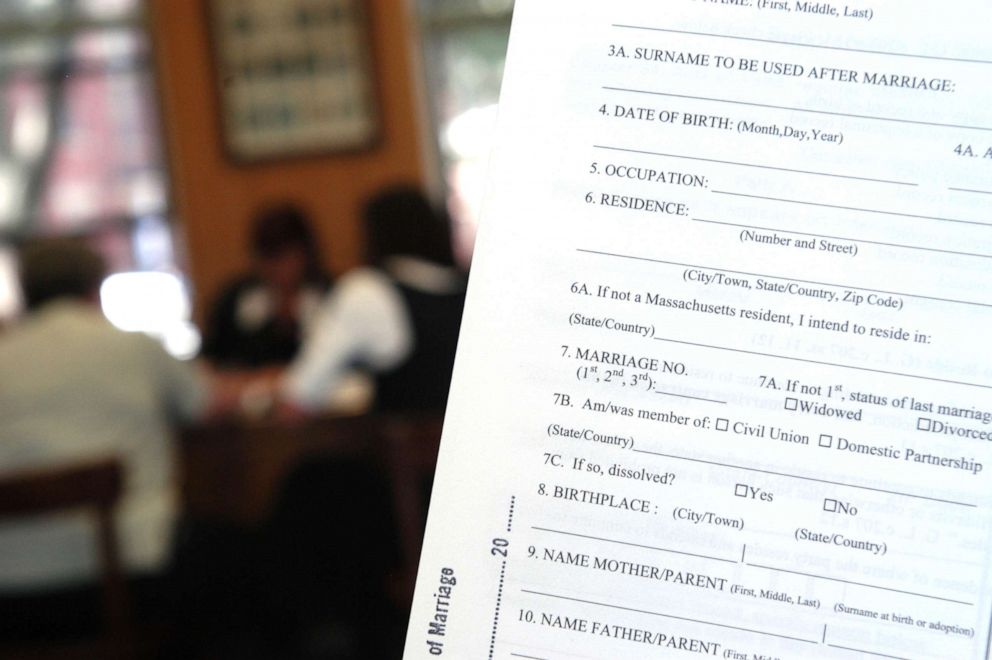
<point x="740" y="490"/>
<point x="791" y="404"/>
<point x="830" y="506"/>
<point x="722" y="424"/>
<point x="924" y="424"/>
<point x="826" y="441"/>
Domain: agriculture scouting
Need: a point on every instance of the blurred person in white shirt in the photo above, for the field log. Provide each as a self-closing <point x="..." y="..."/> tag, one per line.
<point x="74" y="389"/>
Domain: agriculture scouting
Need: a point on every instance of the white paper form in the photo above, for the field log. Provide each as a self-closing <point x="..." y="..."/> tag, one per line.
<point x="724" y="386"/>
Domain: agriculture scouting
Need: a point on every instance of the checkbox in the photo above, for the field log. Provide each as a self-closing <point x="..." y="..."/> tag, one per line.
<point x="722" y="424"/>
<point x="791" y="404"/>
<point x="740" y="490"/>
<point x="826" y="441"/>
<point x="830" y="506"/>
<point x="924" y="424"/>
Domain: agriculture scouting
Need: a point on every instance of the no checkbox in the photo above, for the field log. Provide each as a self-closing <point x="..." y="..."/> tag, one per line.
<point x="830" y="506"/>
<point x="826" y="441"/>
<point x="722" y="424"/>
<point x="791" y="404"/>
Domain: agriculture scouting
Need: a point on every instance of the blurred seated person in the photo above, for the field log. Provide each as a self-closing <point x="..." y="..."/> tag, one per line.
<point x="397" y="318"/>
<point x="257" y="320"/>
<point x="74" y="389"/>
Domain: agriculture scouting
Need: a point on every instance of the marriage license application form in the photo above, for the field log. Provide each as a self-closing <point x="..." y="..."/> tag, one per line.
<point x="724" y="385"/>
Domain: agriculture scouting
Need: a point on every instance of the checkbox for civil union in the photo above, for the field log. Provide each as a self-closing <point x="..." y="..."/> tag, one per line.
<point x="722" y="424"/>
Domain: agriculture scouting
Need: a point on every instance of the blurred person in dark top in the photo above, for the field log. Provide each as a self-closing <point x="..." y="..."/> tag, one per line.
<point x="258" y="319"/>
<point x="74" y="389"/>
<point x="397" y="318"/>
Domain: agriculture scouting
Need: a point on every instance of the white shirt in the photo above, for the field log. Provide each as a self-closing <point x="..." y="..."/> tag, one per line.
<point x="363" y="321"/>
<point x="75" y="389"/>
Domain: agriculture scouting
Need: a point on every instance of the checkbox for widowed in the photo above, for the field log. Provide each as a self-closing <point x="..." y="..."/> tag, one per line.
<point x="740" y="490"/>
<point x="923" y="424"/>
<point x="791" y="404"/>
<point x="826" y="441"/>
<point x="830" y="506"/>
<point x="722" y="424"/>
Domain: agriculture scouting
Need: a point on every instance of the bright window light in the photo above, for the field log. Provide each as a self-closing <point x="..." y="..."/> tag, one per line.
<point x="154" y="303"/>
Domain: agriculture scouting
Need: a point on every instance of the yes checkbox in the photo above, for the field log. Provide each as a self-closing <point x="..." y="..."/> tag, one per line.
<point x="722" y="424"/>
<point x="740" y="490"/>
<point x="826" y="441"/>
<point x="791" y="404"/>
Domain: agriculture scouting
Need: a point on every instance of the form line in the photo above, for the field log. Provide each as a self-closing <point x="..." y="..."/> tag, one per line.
<point x="861" y="584"/>
<point x="668" y="616"/>
<point x="529" y="657"/>
<point x="930" y="379"/>
<point x="917" y="122"/>
<point x="850" y="208"/>
<point x="633" y="545"/>
<point x="845" y="238"/>
<point x="783" y="278"/>
<point x="763" y="167"/>
<point x="972" y="190"/>
<point x="694" y="398"/>
<point x="805" y="45"/>
<point x="804" y="478"/>
<point x="880" y="655"/>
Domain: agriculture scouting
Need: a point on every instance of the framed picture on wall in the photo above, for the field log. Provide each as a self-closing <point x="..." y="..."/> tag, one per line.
<point x="295" y="76"/>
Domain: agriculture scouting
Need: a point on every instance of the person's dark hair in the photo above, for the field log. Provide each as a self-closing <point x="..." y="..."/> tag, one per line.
<point x="55" y="268"/>
<point x="284" y="227"/>
<point x="401" y="221"/>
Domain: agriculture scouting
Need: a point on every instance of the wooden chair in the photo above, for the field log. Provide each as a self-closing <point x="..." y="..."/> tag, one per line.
<point x="95" y="487"/>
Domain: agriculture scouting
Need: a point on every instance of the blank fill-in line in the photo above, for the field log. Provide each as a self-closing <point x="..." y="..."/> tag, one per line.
<point x="917" y="122"/>
<point x="787" y="475"/>
<point x="529" y="657"/>
<point x="851" y="208"/>
<point x="846" y="238"/>
<point x="805" y="45"/>
<point x="632" y="545"/>
<point x="972" y="190"/>
<point x="668" y="616"/>
<point x="763" y="167"/>
<point x="782" y="278"/>
<point x="853" y="367"/>
<point x="694" y="398"/>
<point x="861" y="584"/>
<point x="875" y="653"/>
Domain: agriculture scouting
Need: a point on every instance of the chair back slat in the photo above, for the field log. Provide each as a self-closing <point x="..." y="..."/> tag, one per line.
<point x="97" y="485"/>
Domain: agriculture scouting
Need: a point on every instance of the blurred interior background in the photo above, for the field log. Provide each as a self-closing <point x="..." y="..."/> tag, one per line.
<point x="162" y="133"/>
<point x="111" y="126"/>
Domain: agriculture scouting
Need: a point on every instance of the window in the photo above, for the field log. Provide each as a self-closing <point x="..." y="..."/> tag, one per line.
<point x="464" y="50"/>
<point x="80" y="143"/>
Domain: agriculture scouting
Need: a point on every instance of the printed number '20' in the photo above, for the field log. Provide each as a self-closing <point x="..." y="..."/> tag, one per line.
<point x="499" y="547"/>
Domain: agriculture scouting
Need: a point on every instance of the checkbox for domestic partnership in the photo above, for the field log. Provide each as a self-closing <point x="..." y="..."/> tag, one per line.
<point x="791" y="404"/>
<point x="830" y="506"/>
<point x="722" y="424"/>
<point x="923" y="424"/>
<point x="740" y="490"/>
<point x="826" y="441"/>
